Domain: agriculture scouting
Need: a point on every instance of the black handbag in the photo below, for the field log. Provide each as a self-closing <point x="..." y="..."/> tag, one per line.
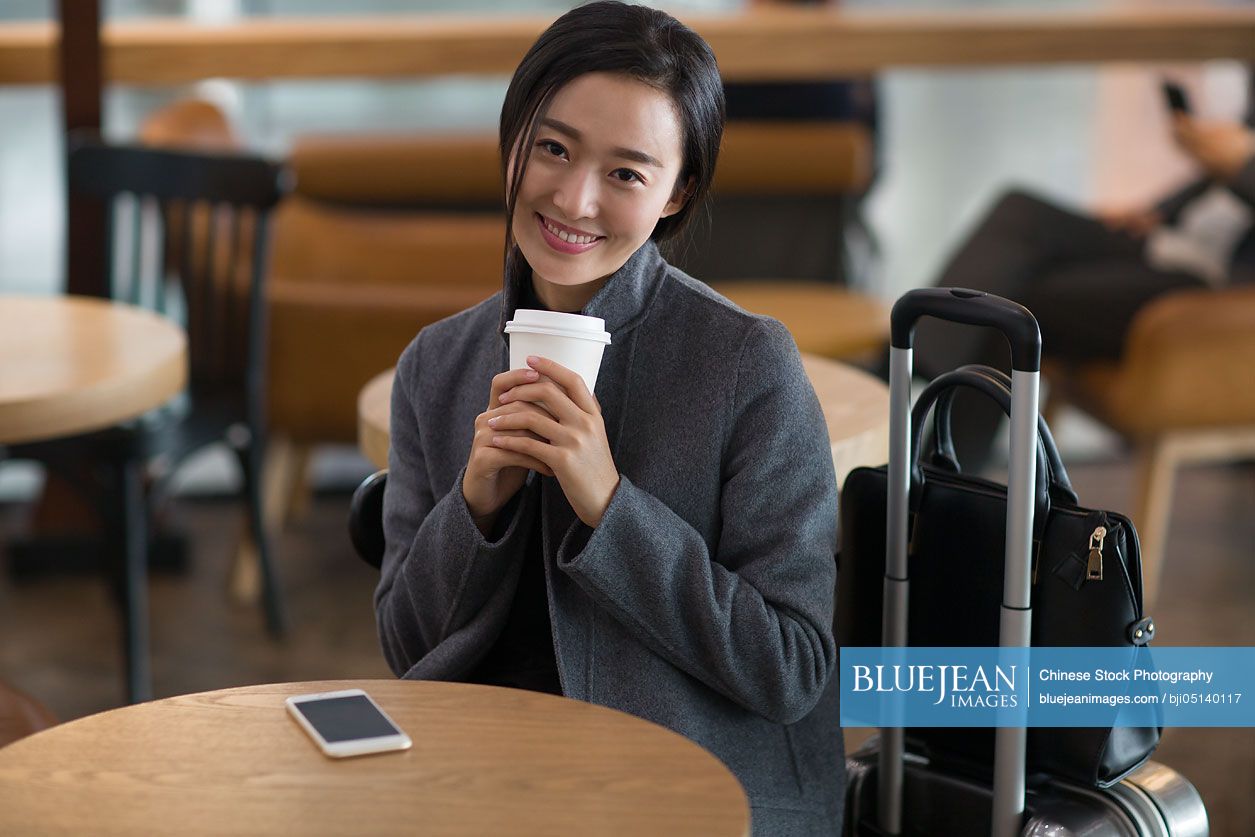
<point x="1086" y="585"/>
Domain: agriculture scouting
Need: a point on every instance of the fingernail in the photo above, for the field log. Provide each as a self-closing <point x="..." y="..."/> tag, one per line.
<point x="504" y="397"/>
<point x="496" y="440"/>
<point x="533" y="359"/>
<point x="492" y="422"/>
<point x="531" y="373"/>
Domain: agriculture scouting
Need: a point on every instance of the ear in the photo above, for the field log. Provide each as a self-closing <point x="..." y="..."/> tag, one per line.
<point x="679" y="198"/>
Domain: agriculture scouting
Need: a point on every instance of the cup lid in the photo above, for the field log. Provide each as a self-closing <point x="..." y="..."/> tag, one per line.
<point x="558" y="323"/>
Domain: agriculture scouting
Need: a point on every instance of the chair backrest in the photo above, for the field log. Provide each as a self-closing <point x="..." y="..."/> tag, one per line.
<point x="195" y="222"/>
<point x="462" y="171"/>
<point x="366" y="518"/>
<point x="793" y="180"/>
<point x="189" y="124"/>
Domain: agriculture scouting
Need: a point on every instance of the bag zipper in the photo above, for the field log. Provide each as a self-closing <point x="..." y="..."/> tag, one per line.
<point x="1093" y="571"/>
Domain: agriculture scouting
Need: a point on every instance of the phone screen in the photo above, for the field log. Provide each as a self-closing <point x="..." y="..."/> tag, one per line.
<point x="345" y="718"/>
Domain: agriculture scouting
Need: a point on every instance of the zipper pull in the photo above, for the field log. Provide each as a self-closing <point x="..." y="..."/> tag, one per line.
<point x="1094" y="570"/>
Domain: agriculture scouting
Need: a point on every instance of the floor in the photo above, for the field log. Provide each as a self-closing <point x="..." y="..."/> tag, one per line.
<point x="59" y="633"/>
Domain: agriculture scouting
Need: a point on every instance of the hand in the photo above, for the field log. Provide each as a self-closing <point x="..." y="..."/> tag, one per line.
<point x="570" y="438"/>
<point x="1222" y="148"/>
<point x="494" y="474"/>
<point x="1136" y="222"/>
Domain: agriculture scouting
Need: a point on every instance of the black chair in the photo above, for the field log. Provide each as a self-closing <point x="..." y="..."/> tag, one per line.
<point x="366" y="518"/>
<point x="189" y="239"/>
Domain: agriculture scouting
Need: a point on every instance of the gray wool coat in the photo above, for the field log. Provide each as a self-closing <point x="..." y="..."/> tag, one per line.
<point x="704" y="600"/>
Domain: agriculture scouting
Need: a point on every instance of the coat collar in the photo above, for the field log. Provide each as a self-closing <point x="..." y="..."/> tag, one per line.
<point x="621" y="302"/>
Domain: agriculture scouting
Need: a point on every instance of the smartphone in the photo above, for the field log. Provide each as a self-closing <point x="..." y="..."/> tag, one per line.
<point x="346" y="723"/>
<point x="1174" y="95"/>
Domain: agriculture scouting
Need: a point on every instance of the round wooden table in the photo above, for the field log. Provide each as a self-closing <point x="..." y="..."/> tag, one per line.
<point x="824" y="319"/>
<point x="73" y="364"/>
<point x="855" y="405"/>
<point x="485" y="761"/>
<point x="856" y="409"/>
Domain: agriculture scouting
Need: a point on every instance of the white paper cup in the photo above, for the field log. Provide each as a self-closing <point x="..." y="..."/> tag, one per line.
<point x="573" y="340"/>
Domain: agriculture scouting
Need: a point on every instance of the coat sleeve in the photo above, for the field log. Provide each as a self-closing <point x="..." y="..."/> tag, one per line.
<point x="752" y="620"/>
<point x="442" y="582"/>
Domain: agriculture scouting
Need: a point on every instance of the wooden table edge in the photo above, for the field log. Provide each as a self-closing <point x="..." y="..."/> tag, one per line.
<point x="103" y="403"/>
<point x="281" y="690"/>
<point x="373" y="439"/>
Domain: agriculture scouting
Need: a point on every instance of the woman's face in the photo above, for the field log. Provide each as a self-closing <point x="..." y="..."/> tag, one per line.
<point x="602" y="171"/>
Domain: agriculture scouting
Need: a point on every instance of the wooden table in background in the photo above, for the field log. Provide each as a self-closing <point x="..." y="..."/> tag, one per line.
<point x="855" y="405"/>
<point x="70" y="365"/>
<point x="485" y="761"/>
<point x="374" y="417"/>
<point x="856" y="409"/>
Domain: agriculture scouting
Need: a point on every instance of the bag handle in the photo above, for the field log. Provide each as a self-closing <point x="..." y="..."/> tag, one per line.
<point x="976" y="377"/>
<point x="944" y="456"/>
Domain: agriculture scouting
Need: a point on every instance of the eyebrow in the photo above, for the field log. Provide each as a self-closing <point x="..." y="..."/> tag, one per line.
<point x="625" y="153"/>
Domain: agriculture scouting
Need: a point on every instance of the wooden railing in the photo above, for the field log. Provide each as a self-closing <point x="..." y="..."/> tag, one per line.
<point x="762" y="44"/>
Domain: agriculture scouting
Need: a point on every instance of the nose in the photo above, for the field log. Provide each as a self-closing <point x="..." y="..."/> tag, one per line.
<point x="576" y="194"/>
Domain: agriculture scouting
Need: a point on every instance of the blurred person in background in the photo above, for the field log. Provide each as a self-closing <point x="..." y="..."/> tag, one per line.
<point x="1085" y="277"/>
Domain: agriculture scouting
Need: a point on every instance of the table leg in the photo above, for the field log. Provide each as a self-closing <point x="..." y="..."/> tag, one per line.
<point x="252" y="462"/>
<point x="128" y="526"/>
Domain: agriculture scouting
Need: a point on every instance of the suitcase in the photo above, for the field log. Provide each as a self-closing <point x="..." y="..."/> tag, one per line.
<point x="1153" y="800"/>
<point x="893" y="792"/>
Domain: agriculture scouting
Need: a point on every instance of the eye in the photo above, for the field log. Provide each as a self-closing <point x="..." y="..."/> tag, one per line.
<point x="553" y="148"/>
<point x="627" y="176"/>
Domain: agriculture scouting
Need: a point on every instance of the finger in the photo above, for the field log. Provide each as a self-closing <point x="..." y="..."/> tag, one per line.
<point x="517" y="407"/>
<point x="541" y="451"/>
<point x="498" y="458"/>
<point x="483" y="436"/>
<point x="512" y="432"/>
<point x="555" y="399"/>
<point x="510" y="378"/>
<point x="569" y="380"/>
<point x="1184" y="128"/>
<point x="481" y="420"/>
<point x="542" y="426"/>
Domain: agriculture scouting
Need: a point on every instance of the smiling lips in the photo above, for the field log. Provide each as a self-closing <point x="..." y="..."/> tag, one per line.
<point x="565" y="239"/>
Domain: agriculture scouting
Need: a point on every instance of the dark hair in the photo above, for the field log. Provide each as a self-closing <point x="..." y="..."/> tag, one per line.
<point x="636" y="41"/>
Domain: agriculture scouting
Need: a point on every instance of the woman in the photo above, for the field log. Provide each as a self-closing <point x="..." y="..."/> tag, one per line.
<point x="666" y="546"/>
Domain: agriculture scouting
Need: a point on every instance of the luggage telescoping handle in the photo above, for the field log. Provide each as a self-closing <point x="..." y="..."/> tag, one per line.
<point x="1020" y="328"/>
<point x="958" y="305"/>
